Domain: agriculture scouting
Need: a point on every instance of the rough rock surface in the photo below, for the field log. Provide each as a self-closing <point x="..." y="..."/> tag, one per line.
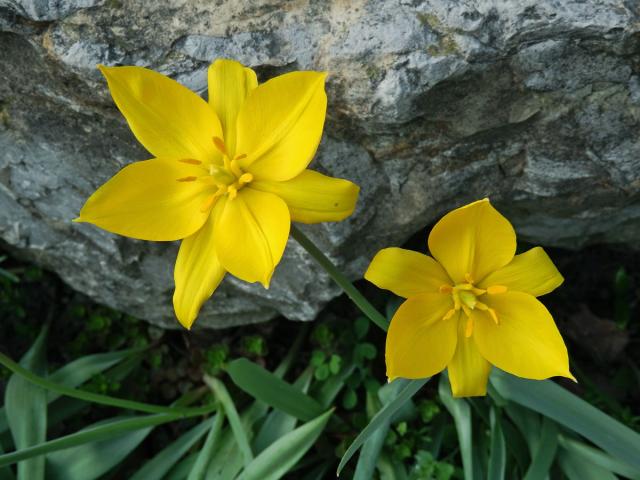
<point x="433" y="103"/>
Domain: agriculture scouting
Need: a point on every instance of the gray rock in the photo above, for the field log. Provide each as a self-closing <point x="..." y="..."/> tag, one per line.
<point x="535" y="103"/>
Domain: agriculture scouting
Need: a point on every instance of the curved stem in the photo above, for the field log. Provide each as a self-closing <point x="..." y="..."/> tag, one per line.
<point x="352" y="292"/>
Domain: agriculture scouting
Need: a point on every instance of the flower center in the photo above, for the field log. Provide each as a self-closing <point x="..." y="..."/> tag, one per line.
<point x="466" y="296"/>
<point x="226" y="179"/>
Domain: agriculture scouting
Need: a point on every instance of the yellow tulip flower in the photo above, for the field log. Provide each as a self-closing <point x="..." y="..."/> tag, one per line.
<point x="228" y="176"/>
<point x="472" y="305"/>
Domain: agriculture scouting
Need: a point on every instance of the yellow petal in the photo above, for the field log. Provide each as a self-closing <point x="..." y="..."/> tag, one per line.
<point x="406" y="273"/>
<point x="145" y="200"/>
<point x="419" y="342"/>
<point x="525" y="342"/>
<point x="468" y="369"/>
<point x="280" y="125"/>
<point x="474" y="239"/>
<point x="229" y="84"/>
<point x="197" y="273"/>
<point x="167" y="118"/>
<point x="531" y="272"/>
<point x="251" y="233"/>
<point x="313" y="197"/>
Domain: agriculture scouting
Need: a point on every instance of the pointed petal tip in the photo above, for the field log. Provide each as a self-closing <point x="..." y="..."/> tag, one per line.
<point x="78" y="220"/>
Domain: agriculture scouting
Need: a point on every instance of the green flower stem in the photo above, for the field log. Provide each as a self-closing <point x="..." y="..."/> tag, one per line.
<point x="97" y="398"/>
<point x="352" y="292"/>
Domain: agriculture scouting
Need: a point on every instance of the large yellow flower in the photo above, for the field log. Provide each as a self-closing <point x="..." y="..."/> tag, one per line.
<point x="228" y="176"/>
<point x="472" y="306"/>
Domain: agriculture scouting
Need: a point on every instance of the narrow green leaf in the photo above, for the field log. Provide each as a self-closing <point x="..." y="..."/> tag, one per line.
<point x="572" y="412"/>
<point x="79" y="371"/>
<point x="275" y="461"/>
<point x="498" y="454"/>
<point x="406" y="390"/>
<point x="266" y="387"/>
<point x="279" y="423"/>
<point x="576" y="468"/>
<point x="545" y="452"/>
<point x="94" y="397"/>
<point x="370" y="451"/>
<point x="91" y="460"/>
<point x="182" y="469"/>
<point x="92" y="435"/>
<point x="26" y="409"/>
<point x="230" y="411"/>
<point x="461" y="413"/>
<point x="164" y="460"/>
<point x="599" y="458"/>
<point x="199" y="468"/>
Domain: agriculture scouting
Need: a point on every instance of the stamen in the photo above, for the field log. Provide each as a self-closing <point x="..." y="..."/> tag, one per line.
<point x="496" y="289"/>
<point x="466" y="310"/>
<point x="219" y="143"/>
<point x="449" y="314"/>
<point x="190" y="161"/>
<point x="494" y="315"/>
<point x="232" y="191"/>
<point x="456" y="300"/>
<point x="208" y="203"/>
<point x="235" y="168"/>
<point x="481" y="306"/>
<point x="464" y="286"/>
<point x="468" y="278"/>
<point x="468" y="329"/>
<point x="446" y="288"/>
<point x="241" y="156"/>
<point x="478" y="291"/>
<point x="188" y="179"/>
<point x="245" y="178"/>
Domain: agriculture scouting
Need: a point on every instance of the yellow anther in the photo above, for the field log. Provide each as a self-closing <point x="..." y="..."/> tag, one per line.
<point x="446" y="288"/>
<point x="219" y="143"/>
<point x="449" y="314"/>
<point x="190" y="161"/>
<point x="496" y="289"/>
<point x="241" y="156"/>
<point x="188" y="179"/>
<point x="478" y="291"/>
<point x="494" y="316"/>
<point x="245" y="178"/>
<point x="468" y="278"/>
<point x="232" y="191"/>
<point x="456" y="300"/>
<point x="208" y="203"/>
<point x="464" y="286"/>
<point x="468" y="328"/>
<point x="481" y="306"/>
<point x="466" y="310"/>
<point x="235" y="168"/>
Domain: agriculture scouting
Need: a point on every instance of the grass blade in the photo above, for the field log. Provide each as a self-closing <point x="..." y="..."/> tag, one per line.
<point x="545" y="452"/>
<point x="406" y="390"/>
<point x="370" y="451"/>
<point x="461" y="413"/>
<point x="26" y="409"/>
<point x="279" y="423"/>
<point x="572" y="412"/>
<point x="266" y="387"/>
<point x="230" y="411"/>
<point x="498" y="455"/>
<point x="94" y="397"/>
<point x="275" y="461"/>
<point x="576" y="468"/>
<point x="95" y="434"/>
<point x="599" y="458"/>
<point x="93" y="459"/>
<point x="199" y="468"/>
<point x="164" y="460"/>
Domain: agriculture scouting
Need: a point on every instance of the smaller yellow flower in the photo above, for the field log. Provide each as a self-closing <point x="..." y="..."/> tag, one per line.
<point x="227" y="176"/>
<point x="472" y="306"/>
